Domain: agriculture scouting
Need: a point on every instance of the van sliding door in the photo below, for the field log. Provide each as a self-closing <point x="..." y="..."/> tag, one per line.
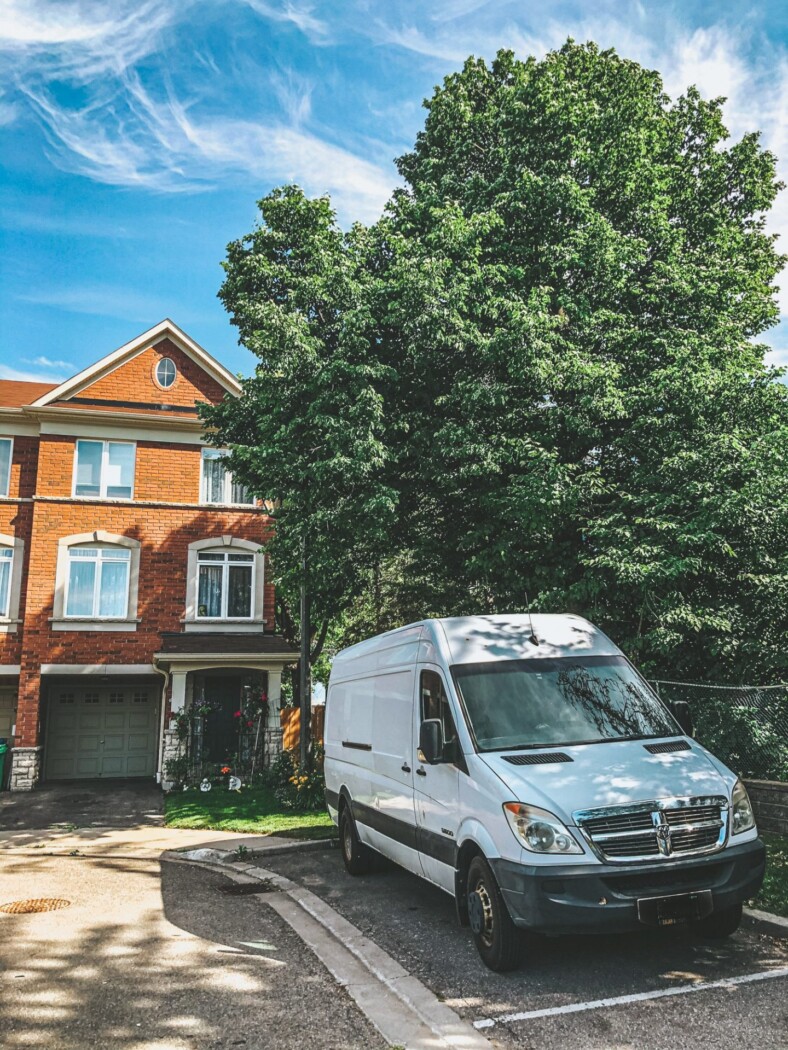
<point x="389" y="825"/>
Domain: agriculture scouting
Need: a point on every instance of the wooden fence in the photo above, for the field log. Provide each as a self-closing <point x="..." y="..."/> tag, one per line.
<point x="291" y="726"/>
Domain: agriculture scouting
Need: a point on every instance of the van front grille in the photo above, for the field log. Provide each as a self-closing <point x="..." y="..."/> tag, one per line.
<point x="663" y="828"/>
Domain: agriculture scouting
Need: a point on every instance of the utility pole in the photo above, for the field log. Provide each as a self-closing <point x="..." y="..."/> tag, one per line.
<point x="304" y="682"/>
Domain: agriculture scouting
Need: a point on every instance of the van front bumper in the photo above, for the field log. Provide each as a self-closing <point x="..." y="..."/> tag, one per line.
<point x="597" y="898"/>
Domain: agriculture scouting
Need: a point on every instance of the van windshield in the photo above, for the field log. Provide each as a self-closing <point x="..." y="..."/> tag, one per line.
<point x="573" y="700"/>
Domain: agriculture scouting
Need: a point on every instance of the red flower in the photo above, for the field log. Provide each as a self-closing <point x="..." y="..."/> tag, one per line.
<point x="249" y="725"/>
<point x="225" y="769"/>
<point x="237" y="714"/>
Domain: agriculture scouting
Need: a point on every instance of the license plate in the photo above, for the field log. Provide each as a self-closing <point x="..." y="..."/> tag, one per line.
<point x="675" y="910"/>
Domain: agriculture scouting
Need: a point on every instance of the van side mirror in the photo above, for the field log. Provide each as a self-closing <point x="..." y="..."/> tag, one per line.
<point x="683" y="715"/>
<point x="431" y="741"/>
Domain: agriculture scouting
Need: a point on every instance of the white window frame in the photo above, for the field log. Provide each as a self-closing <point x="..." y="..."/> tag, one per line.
<point x="99" y="538"/>
<point x="211" y="455"/>
<point x="225" y="563"/>
<point x="9" y="618"/>
<point x="105" y="443"/>
<point x="98" y="576"/>
<point x="156" y="368"/>
<point x="5" y="483"/>
<point x="216" y="545"/>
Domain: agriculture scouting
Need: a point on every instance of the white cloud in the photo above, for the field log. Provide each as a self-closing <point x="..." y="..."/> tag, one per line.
<point x="98" y="301"/>
<point x="44" y="362"/>
<point x="83" y="39"/>
<point x="299" y="15"/>
<point x="136" y="140"/>
<point x="22" y="376"/>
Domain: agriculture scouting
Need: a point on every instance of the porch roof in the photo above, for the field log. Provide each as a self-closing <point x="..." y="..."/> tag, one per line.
<point x="218" y="645"/>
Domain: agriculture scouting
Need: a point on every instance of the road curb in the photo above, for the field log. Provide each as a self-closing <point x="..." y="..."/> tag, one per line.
<point x="207" y="854"/>
<point x="767" y="921"/>
<point x="405" y="1011"/>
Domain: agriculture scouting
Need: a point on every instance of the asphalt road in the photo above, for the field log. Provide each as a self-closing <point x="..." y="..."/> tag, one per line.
<point x="159" y="957"/>
<point x="415" y="923"/>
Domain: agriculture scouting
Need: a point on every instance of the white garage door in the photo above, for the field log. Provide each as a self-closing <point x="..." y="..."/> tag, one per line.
<point x="101" y="732"/>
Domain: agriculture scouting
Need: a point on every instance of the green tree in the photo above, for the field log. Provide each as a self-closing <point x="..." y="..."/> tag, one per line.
<point x="307" y="432"/>
<point x="590" y="421"/>
<point x="537" y="376"/>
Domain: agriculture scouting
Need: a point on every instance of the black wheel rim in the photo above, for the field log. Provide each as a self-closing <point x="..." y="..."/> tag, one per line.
<point x="487" y="931"/>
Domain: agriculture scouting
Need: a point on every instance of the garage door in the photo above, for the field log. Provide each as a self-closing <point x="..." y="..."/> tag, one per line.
<point x="101" y="732"/>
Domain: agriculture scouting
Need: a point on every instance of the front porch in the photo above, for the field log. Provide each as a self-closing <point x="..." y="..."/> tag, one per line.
<point x="224" y="703"/>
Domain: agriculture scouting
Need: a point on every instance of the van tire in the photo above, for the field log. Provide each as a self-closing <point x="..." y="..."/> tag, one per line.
<point x="498" y="941"/>
<point x="719" y="924"/>
<point x="358" y="858"/>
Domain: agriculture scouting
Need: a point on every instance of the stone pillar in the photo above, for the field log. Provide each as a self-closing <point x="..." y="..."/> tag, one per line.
<point x="25" y="768"/>
<point x="172" y="750"/>
<point x="26" y="754"/>
<point x="273" y="725"/>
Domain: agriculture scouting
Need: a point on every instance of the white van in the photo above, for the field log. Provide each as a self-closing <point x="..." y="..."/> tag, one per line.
<point x="524" y="766"/>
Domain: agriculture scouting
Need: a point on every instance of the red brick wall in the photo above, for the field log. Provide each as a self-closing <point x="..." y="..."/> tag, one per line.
<point x="16" y="520"/>
<point x="163" y="472"/>
<point x="164" y="535"/>
<point x="135" y="381"/>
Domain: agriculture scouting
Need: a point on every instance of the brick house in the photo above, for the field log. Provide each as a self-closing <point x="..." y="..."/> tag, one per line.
<point x="131" y="580"/>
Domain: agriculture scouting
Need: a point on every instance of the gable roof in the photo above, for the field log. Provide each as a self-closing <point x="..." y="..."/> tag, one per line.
<point x="16" y="393"/>
<point x="165" y="329"/>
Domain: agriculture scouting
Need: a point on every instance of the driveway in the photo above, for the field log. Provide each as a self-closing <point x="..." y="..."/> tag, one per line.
<point x="553" y="1000"/>
<point x="150" y="956"/>
<point x="83" y="804"/>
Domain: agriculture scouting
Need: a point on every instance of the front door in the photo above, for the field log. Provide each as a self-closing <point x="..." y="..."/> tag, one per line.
<point x="7" y="711"/>
<point x="437" y="787"/>
<point x="101" y="731"/>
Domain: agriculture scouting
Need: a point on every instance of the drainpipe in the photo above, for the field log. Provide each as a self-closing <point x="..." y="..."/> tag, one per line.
<point x="165" y="685"/>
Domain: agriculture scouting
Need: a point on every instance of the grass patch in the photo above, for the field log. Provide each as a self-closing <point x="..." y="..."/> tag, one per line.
<point x="773" y="896"/>
<point x="250" y="811"/>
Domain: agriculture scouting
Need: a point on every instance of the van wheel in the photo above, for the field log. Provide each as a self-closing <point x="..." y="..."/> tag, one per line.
<point x="357" y="857"/>
<point x="719" y="924"/>
<point x="497" y="938"/>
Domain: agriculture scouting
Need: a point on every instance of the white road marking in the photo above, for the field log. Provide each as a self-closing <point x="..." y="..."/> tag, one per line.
<point x="638" y="997"/>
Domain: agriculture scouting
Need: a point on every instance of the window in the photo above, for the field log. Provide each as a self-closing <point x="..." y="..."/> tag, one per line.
<point x="166" y="372"/>
<point x="98" y="582"/>
<point x="6" y="451"/>
<point x="224" y="585"/>
<point x="104" y="469"/>
<point x="435" y="704"/>
<point x="218" y="485"/>
<point x="6" y="572"/>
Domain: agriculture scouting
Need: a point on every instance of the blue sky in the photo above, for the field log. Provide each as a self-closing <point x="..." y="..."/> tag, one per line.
<point x="137" y="135"/>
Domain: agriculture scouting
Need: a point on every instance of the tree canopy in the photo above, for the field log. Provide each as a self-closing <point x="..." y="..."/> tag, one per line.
<point x="536" y="378"/>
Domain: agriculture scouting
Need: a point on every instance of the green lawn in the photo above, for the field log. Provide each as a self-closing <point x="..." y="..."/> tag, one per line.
<point x="774" y="892"/>
<point x="248" y="811"/>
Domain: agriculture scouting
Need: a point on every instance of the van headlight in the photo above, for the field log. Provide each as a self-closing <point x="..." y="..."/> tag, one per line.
<point x="742" y="816"/>
<point x="538" y="830"/>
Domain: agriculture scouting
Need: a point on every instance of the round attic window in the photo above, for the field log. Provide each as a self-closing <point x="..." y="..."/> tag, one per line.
<point x="166" y="372"/>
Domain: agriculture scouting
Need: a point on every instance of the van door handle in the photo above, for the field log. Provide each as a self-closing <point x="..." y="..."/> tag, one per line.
<point x="421" y="772"/>
<point x="405" y="768"/>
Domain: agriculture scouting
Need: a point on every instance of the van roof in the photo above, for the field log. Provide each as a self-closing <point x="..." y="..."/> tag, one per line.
<point x="473" y="639"/>
<point x="477" y="639"/>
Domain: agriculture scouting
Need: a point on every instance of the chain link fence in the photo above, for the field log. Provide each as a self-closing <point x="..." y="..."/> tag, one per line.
<point x="745" y="726"/>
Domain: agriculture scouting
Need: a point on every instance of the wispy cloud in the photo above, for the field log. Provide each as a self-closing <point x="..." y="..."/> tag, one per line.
<point x="23" y="376"/>
<point x="299" y="15"/>
<point x="160" y="145"/>
<point x="44" y="362"/>
<point x="98" y="300"/>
